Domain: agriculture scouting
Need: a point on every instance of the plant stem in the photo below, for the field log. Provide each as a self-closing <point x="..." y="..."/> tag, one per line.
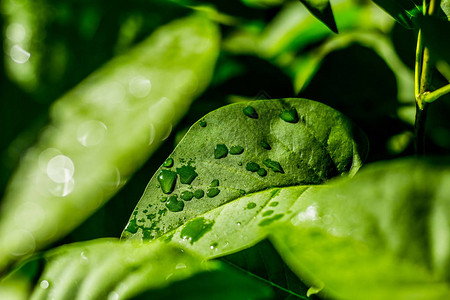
<point x="430" y="97"/>
<point x="423" y="72"/>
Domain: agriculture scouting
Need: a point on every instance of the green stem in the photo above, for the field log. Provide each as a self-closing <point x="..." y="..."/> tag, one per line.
<point x="430" y="97"/>
<point x="423" y="72"/>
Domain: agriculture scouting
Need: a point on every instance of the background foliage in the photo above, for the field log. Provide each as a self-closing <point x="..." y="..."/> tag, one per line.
<point x="261" y="49"/>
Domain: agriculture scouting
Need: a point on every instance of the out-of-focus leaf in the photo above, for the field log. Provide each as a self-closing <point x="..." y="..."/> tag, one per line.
<point x="384" y="234"/>
<point x="263" y="261"/>
<point x="110" y="269"/>
<point x="216" y="194"/>
<point x="321" y="9"/>
<point x="436" y="36"/>
<point x="403" y="11"/>
<point x="102" y="131"/>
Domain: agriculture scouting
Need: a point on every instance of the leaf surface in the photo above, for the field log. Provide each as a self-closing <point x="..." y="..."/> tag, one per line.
<point x="110" y="269"/>
<point x="383" y="234"/>
<point x="102" y="131"/>
<point x="215" y="199"/>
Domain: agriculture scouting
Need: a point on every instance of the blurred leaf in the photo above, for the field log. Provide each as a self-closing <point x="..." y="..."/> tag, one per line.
<point x="321" y="9"/>
<point x="102" y="131"/>
<point x="262" y="261"/>
<point x="107" y="268"/>
<point x="384" y="234"/>
<point x="216" y="194"/>
<point x="436" y="36"/>
<point x="403" y="11"/>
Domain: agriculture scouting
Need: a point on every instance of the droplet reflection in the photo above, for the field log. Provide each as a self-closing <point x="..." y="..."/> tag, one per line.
<point x="19" y="55"/>
<point x="91" y="133"/>
<point x="140" y="86"/>
<point x="44" y="284"/>
<point x="60" y="169"/>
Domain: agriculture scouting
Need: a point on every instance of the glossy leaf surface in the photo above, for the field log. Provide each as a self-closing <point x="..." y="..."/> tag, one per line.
<point x="225" y="199"/>
<point x="403" y="11"/>
<point x="383" y="234"/>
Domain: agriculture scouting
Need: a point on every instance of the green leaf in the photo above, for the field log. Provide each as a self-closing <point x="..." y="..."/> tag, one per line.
<point x="102" y="131"/>
<point x="110" y="269"/>
<point x="384" y="234"/>
<point x="403" y="11"/>
<point x="321" y="9"/>
<point x="233" y="200"/>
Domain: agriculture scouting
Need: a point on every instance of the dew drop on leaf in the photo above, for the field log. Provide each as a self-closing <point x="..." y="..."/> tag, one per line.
<point x="253" y="167"/>
<point x="265" y="145"/>
<point x="220" y="151"/>
<point x="215" y="183"/>
<point x="251" y="205"/>
<point x="203" y="123"/>
<point x="174" y="205"/>
<point x="269" y="221"/>
<point x="132" y="227"/>
<point x="262" y="172"/>
<point x="199" y="194"/>
<point x="212" y="192"/>
<point x="236" y="150"/>
<point x="267" y="213"/>
<point x="250" y="112"/>
<point x="275" y="166"/>
<point x="163" y="199"/>
<point x="168" y="163"/>
<point x="289" y="116"/>
<point x="273" y="204"/>
<point x="187" y="195"/>
<point x="187" y="174"/>
<point x="195" y="229"/>
<point x="167" y="180"/>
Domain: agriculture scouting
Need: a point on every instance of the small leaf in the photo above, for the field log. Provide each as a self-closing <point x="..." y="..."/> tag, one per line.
<point x="321" y="9"/>
<point x="244" y="198"/>
<point x="403" y="11"/>
<point x="384" y="234"/>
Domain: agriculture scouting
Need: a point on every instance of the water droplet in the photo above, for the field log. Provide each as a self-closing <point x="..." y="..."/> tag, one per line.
<point x="60" y="169"/>
<point x="213" y="246"/>
<point x="238" y="223"/>
<point x="212" y="192"/>
<point x="113" y="296"/>
<point x="273" y="204"/>
<point x="132" y="226"/>
<point x="253" y="167"/>
<point x="265" y="145"/>
<point x="44" y="284"/>
<point x="187" y="174"/>
<point x="195" y="229"/>
<point x="267" y="213"/>
<point x="269" y="221"/>
<point x="199" y="194"/>
<point x="242" y="192"/>
<point x="289" y="116"/>
<point x="91" y="133"/>
<point x="167" y="180"/>
<point x="220" y="151"/>
<point x="140" y="86"/>
<point x="83" y="255"/>
<point x="262" y="172"/>
<point x="203" y="123"/>
<point x="157" y="186"/>
<point x="236" y="150"/>
<point x="180" y="266"/>
<point x="250" y="112"/>
<point x="215" y="183"/>
<point x="240" y="163"/>
<point x="62" y="189"/>
<point x="174" y="205"/>
<point x="19" y="55"/>
<point x="45" y="157"/>
<point x="275" y="166"/>
<point x="152" y="134"/>
<point x="187" y="195"/>
<point x="168" y="163"/>
<point x="251" y="205"/>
